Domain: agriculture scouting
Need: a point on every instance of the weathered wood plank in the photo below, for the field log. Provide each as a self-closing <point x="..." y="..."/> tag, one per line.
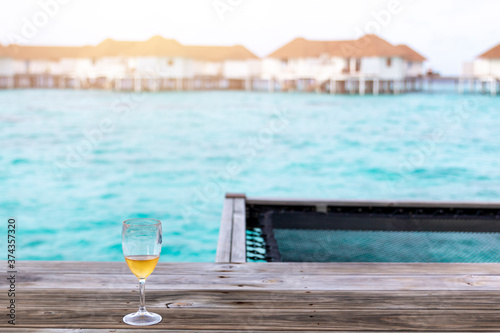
<point x="276" y="281"/>
<point x="128" y="330"/>
<point x="223" y="253"/>
<point x="256" y="299"/>
<point x="90" y="330"/>
<point x="261" y="297"/>
<point x="238" y="240"/>
<point x="75" y="267"/>
<point x="272" y="319"/>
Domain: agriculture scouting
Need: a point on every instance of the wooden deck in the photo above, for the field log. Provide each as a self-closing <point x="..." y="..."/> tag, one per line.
<point x="258" y="297"/>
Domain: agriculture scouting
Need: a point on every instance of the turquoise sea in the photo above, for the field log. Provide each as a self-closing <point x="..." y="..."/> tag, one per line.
<point x="75" y="164"/>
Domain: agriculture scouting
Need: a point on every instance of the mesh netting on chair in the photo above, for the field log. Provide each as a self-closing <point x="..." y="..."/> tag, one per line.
<point x="375" y="235"/>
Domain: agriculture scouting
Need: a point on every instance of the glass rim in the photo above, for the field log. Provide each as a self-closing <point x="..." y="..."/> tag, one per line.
<point x="142" y="224"/>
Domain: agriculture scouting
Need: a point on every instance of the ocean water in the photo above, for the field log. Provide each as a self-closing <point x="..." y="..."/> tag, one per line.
<point x="75" y="164"/>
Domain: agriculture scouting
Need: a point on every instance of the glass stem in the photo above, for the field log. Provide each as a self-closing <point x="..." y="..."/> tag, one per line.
<point x="142" y="292"/>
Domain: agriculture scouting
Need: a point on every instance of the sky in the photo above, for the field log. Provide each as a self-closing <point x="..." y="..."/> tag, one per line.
<point x="446" y="32"/>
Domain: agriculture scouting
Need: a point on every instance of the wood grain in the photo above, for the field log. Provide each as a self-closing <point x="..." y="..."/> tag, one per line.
<point x="223" y="253"/>
<point x="238" y="240"/>
<point x="310" y="268"/>
<point x="90" y="330"/>
<point x="276" y="281"/>
<point x="259" y="297"/>
<point x="246" y="299"/>
<point x="272" y="319"/>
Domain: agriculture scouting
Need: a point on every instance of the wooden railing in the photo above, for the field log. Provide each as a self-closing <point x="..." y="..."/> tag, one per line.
<point x="231" y="246"/>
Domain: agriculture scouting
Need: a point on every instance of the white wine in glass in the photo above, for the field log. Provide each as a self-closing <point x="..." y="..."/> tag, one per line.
<point x="141" y="243"/>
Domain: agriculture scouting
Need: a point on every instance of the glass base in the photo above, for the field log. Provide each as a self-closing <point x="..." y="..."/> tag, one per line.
<point x="142" y="318"/>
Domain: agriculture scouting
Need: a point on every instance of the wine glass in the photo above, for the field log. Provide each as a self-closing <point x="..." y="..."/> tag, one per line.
<point x="141" y="243"/>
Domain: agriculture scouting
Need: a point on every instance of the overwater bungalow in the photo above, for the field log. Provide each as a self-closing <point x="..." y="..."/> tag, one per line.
<point x="50" y="67"/>
<point x="165" y="64"/>
<point x="6" y="68"/>
<point x="366" y="65"/>
<point x="226" y="67"/>
<point x="485" y="70"/>
<point x="369" y="64"/>
<point x="152" y="65"/>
